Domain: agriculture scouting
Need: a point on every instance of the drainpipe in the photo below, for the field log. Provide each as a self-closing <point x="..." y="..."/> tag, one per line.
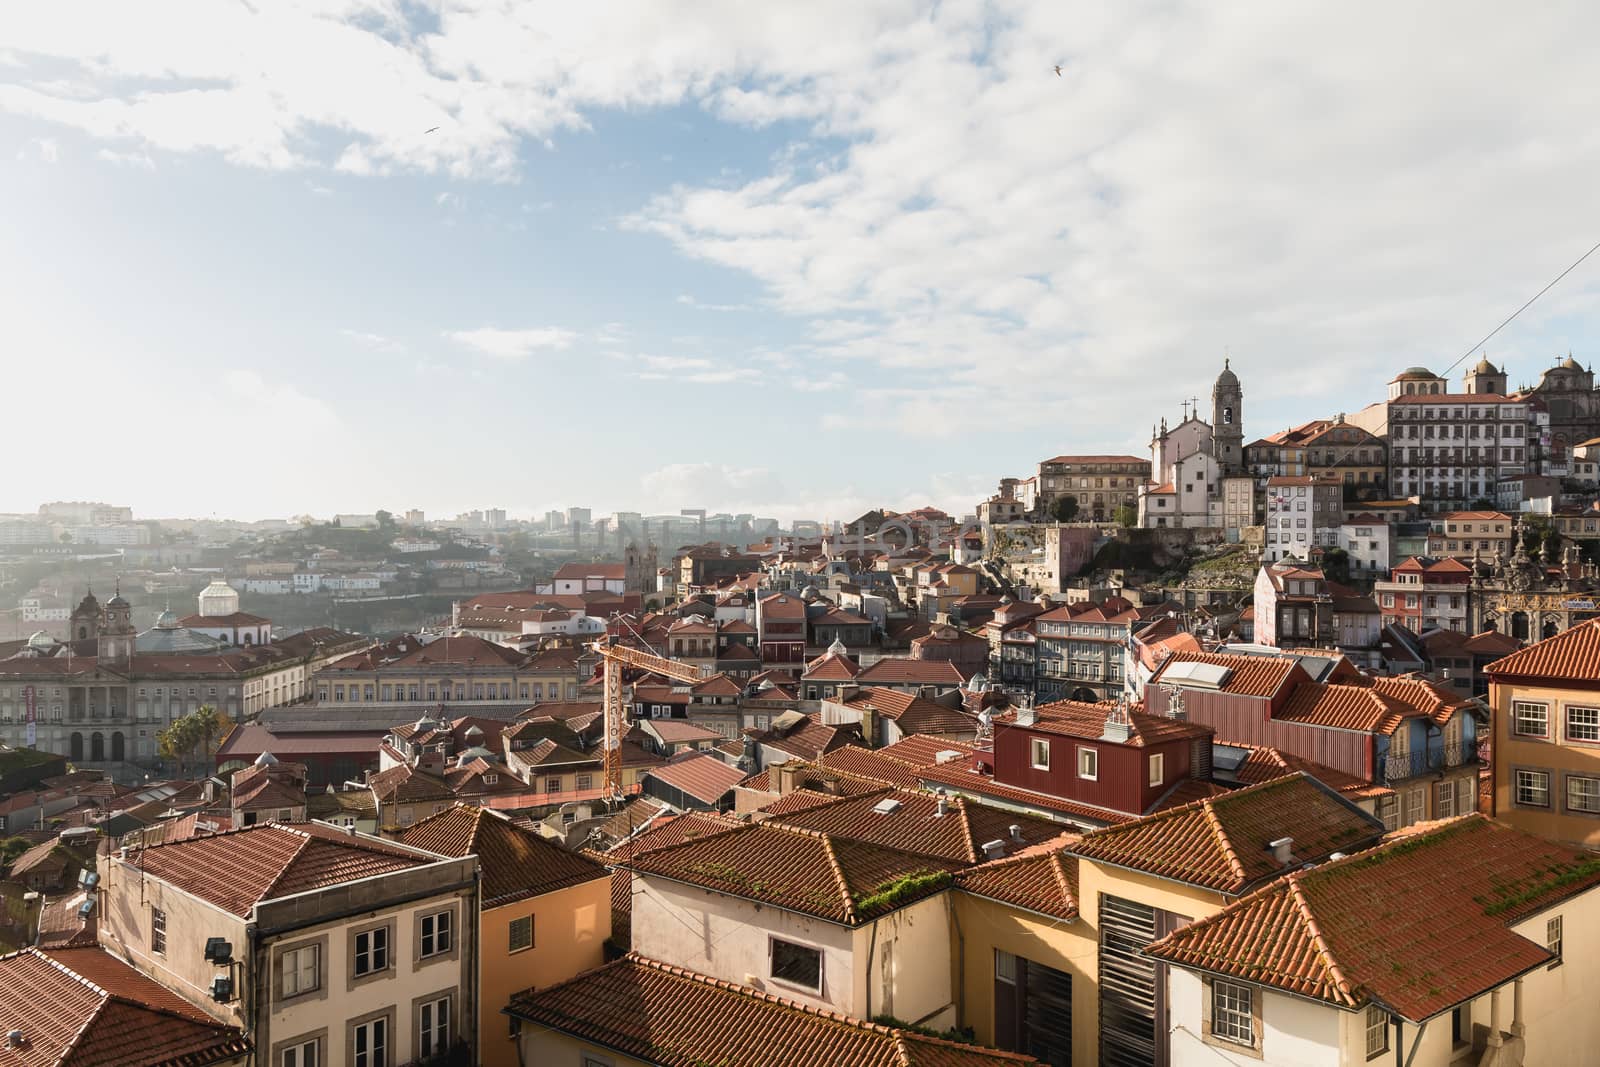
<point x="872" y="948"/>
<point x="961" y="961"/>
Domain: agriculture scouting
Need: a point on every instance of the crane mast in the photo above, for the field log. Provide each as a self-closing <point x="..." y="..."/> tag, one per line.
<point x="615" y="657"/>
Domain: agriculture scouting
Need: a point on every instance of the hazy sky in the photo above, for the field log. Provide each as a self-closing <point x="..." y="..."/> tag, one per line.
<point x="785" y="258"/>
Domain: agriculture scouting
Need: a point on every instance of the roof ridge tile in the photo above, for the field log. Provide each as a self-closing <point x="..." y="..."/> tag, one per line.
<point x="1224" y="844"/>
<point x="1314" y="931"/>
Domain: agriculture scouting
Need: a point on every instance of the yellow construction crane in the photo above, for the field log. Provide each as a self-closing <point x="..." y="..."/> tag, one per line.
<point x="615" y="657"/>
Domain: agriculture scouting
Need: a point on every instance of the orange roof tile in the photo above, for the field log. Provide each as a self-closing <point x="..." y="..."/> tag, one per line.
<point x="515" y="863"/>
<point x="1042" y="879"/>
<point x="832" y="878"/>
<point x="1572" y="655"/>
<point x="903" y="670"/>
<point x="915" y="824"/>
<point x="970" y="783"/>
<point x="1441" y="941"/>
<point x="238" y="869"/>
<point x="704" y="777"/>
<point x="1221" y="843"/>
<point x="923" y="751"/>
<point x="82" y="1007"/>
<point x="914" y="714"/>
<point x="1254" y="676"/>
<point x="662" y="1014"/>
<point x="1076" y="719"/>
<point x="668" y="830"/>
<point x="1345" y="707"/>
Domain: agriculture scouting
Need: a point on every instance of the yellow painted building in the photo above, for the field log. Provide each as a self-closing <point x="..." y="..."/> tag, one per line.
<point x="1546" y="761"/>
<point x="544" y="917"/>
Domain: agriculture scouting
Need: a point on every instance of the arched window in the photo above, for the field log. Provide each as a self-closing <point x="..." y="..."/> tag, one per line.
<point x="75" y="748"/>
<point x="97" y="747"/>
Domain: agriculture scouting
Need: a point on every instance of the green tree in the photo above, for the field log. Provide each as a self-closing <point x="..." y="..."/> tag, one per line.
<point x="200" y="730"/>
<point x="1065" y="509"/>
<point x="1127" y="515"/>
<point x="1336" y="565"/>
<point x="11" y="848"/>
<point x="385" y="520"/>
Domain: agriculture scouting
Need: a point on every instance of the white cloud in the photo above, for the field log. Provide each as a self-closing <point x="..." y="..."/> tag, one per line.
<point x="277" y="404"/>
<point x="513" y="344"/>
<point x="139" y="160"/>
<point x="689" y="301"/>
<point x="377" y="342"/>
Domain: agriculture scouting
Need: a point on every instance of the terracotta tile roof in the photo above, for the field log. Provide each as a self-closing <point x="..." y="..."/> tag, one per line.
<point x="958" y="777"/>
<point x="569" y="572"/>
<point x="406" y="783"/>
<point x="240" y="868"/>
<point x="82" y="1007"/>
<point x="1420" y="695"/>
<point x="633" y="814"/>
<point x="515" y="863"/>
<point x="878" y="765"/>
<point x="1140" y="461"/>
<point x="1441" y="940"/>
<point x="668" y="830"/>
<point x="1222" y="843"/>
<point x="1572" y="655"/>
<point x="705" y="777"/>
<point x="718" y="685"/>
<point x="61" y="926"/>
<point x="1345" y="707"/>
<point x="1265" y="764"/>
<point x="1074" y="718"/>
<point x="1042" y="879"/>
<point x="810" y="739"/>
<point x="1255" y="676"/>
<point x="916" y="826"/>
<point x="903" y="670"/>
<point x="657" y="1013"/>
<point x="832" y="667"/>
<point x="831" y="878"/>
<point x="923" y="751"/>
<point x="914" y="714"/>
<point x="677" y="731"/>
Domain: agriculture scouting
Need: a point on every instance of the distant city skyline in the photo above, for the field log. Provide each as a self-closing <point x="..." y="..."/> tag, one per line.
<point x="799" y="265"/>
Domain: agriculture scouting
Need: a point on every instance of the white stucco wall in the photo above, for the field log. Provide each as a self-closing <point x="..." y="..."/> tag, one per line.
<point x="1295" y="1033"/>
<point x="916" y="943"/>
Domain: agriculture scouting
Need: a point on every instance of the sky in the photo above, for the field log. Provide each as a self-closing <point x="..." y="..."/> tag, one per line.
<point x="279" y="256"/>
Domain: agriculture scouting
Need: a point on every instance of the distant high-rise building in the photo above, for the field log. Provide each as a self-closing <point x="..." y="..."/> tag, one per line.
<point x="494" y="518"/>
<point x="415" y="517"/>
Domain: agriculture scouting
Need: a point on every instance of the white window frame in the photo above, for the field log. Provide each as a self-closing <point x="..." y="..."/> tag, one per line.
<point x="365" y="960"/>
<point x="1591" y="727"/>
<point x="1524" y="782"/>
<point x="434" y="1039"/>
<point x="1377" y="1021"/>
<point x="511" y="934"/>
<point x="303" y="1054"/>
<point x="773" y="942"/>
<point x="1157" y="766"/>
<point x="377" y="1051"/>
<point x="1588" y="790"/>
<point x="435" y="929"/>
<point x="1039" y="747"/>
<point x="1233" y="1012"/>
<point x="1523" y="711"/>
<point x="1088" y="763"/>
<point x="1553" y="939"/>
<point x="292" y="965"/>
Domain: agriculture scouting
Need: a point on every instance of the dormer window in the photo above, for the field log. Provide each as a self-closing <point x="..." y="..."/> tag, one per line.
<point x="490" y="779"/>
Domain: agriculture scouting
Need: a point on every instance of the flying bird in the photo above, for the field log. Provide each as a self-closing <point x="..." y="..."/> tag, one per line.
<point x="432" y="128"/>
<point x="1058" y="70"/>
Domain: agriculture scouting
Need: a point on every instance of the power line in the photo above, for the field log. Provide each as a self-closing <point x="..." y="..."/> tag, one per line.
<point x="1523" y="308"/>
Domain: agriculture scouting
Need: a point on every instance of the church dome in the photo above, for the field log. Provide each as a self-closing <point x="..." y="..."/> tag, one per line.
<point x="1485" y="367"/>
<point x="167" y="620"/>
<point x="1227" y="377"/>
<point x="1571" y="364"/>
<point x="1414" y="373"/>
<point x="117" y="601"/>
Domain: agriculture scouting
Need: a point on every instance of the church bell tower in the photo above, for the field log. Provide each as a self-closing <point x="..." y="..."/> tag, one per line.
<point x="1227" y="422"/>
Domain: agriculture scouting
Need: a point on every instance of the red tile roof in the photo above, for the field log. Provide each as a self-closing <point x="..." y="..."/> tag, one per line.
<point x="915" y="825"/>
<point x="705" y="777"/>
<point x="1221" y="843"/>
<point x="832" y="878"/>
<point x="667" y="830"/>
<point x="1142" y="461"/>
<point x="516" y="863"/>
<point x="878" y="765"/>
<point x="1042" y="879"/>
<point x="1345" y="707"/>
<point x="1572" y="655"/>
<point x="1387" y="926"/>
<point x="902" y="670"/>
<point x="569" y="572"/>
<point x="1254" y="676"/>
<point x="914" y="714"/>
<point x="240" y="868"/>
<point x="832" y="667"/>
<point x="1074" y="718"/>
<point x="658" y="1013"/>
<point x="921" y="750"/>
<point x="1265" y="764"/>
<point x="970" y="783"/>
<point x="82" y="1007"/>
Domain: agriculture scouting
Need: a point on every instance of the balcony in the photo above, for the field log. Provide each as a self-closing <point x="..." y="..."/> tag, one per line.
<point x="1436" y="758"/>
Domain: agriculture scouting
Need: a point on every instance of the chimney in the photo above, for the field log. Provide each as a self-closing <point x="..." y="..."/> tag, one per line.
<point x="993" y="850"/>
<point x="788" y="776"/>
<point x="1025" y="716"/>
<point x="1281" y="850"/>
<point x="1016" y="832"/>
<point x="14" y="1039"/>
<point x="1118" y="726"/>
<point x="942" y="808"/>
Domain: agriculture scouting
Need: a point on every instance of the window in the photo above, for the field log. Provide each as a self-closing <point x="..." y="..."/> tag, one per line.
<point x="301" y="1055"/>
<point x="299" y="968"/>
<point x="1416" y="801"/>
<point x="585" y="781"/>
<point x="1583" y="724"/>
<point x="1231" y="1012"/>
<point x="434" y="936"/>
<point x="158" y="930"/>
<point x="1039" y="754"/>
<point x="370" y="1042"/>
<point x="1157" y="768"/>
<point x="1533" y="789"/>
<point x="433" y="1026"/>
<point x="1377" y="1031"/>
<point x="372" y="951"/>
<point x="1444" y="800"/>
<point x="1088" y="764"/>
<point x="798" y="965"/>
<point x="1583" y="794"/>
<point x="1530" y="719"/>
<point x="520" y="934"/>
<point x="1552" y="939"/>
